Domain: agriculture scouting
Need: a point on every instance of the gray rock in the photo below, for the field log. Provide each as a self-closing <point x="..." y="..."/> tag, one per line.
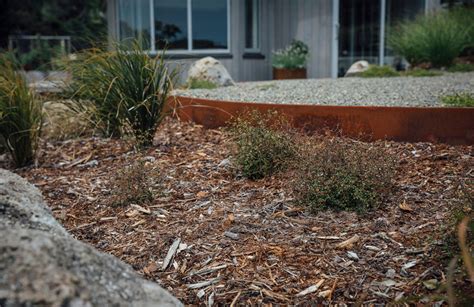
<point x="212" y="70"/>
<point x="357" y="68"/>
<point x="41" y="264"/>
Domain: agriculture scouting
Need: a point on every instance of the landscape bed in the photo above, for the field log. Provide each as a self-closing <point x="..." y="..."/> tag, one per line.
<point x="247" y="242"/>
<point x="393" y="91"/>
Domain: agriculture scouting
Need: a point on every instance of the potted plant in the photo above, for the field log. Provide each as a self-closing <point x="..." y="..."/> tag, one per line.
<point x="290" y="63"/>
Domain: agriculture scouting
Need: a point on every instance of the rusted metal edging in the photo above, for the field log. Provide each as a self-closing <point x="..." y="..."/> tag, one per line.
<point x="405" y="124"/>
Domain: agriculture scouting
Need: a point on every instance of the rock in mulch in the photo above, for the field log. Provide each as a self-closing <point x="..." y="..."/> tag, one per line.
<point x="41" y="264"/>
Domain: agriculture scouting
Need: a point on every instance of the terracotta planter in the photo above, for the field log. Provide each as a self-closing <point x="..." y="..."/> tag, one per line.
<point x="284" y="73"/>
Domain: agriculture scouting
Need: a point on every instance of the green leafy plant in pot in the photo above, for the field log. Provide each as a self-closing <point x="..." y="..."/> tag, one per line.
<point x="290" y="63"/>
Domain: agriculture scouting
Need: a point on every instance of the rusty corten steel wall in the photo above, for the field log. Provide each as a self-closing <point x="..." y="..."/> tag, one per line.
<point x="406" y="124"/>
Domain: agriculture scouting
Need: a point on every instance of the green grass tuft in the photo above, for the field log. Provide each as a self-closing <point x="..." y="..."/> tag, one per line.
<point x="201" y="84"/>
<point x="461" y="67"/>
<point x="459" y="100"/>
<point x="376" y="71"/>
<point x="418" y="72"/>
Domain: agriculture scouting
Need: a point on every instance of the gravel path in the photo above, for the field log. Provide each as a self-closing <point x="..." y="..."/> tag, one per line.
<point x="399" y="91"/>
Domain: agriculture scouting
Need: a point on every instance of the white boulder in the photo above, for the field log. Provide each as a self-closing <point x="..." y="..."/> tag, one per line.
<point x="357" y="68"/>
<point x="211" y="70"/>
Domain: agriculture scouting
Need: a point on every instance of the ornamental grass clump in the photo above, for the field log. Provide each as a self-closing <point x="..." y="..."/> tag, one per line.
<point x="295" y="56"/>
<point x="20" y="114"/>
<point x="263" y="144"/>
<point x="437" y="38"/>
<point x="128" y="88"/>
<point x="341" y="174"/>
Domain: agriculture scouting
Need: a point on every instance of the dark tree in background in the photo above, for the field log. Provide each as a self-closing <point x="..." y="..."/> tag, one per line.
<point x="83" y="20"/>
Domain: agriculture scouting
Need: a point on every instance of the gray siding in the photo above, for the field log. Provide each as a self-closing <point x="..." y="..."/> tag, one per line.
<point x="309" y="21"/>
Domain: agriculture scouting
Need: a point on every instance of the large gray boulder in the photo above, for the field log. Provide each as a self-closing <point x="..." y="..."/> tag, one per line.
<point x="42" y="265"/>
<point x="210" y="69"/>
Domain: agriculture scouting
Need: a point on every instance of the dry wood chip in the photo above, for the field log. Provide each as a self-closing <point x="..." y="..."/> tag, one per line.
<point x="349" y="242"/>
<point x="311" y="289"/>
<point x="405" y="207"/>
<point x="171" y="252"/>
<point x="208" y="270"/>
<point x="329" y="238"/>
<point x="232" y="235"/>
<point x="203" y="284"/>
<point x="141" y="209"/>
<point x="272" y="294"/>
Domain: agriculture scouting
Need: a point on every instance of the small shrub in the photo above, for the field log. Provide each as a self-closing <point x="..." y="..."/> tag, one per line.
<point x="343" y="175"/>
<point x="459" y="100"/>
<point x="201" y="84"/>
<point x="128" y="87"/>
<point x="461" y="67"/>
<point x="292" y="57"/>
<point x="262" y="144"/>
<point x="376" y="71"/>
<point x="437" y="38"/>
<point x="136" y="183"/>
<point x="418" y="72"/>
<point x="20" y="114"/>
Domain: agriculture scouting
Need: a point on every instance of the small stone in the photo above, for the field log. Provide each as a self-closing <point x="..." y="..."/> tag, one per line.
<point x="353" y="256"/>
<point x="390" y="273"/>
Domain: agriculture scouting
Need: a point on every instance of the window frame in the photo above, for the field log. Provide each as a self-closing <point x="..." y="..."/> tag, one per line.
<point x="189" y="50"/>
<point x="255" y="28"/>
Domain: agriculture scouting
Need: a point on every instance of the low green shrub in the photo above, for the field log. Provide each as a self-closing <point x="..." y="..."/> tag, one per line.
<point x="437" y="38"/>
<point x="343" y="175"/>
<point x="461" y="67"/>
<point x="418" y="72"/>
<point x="136" y="183"/>
<point x="376" y="71"/>
<point x="20" y="114"/>
<point x="459" y="100"/>
<point x="292" y="57"/>
<point x="262" y="142"/>
<point x="127" y="86"/>
<point x="201" y="84"/>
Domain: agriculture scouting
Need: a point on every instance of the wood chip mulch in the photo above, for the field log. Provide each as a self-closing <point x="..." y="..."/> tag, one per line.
<point x="212" y="236"/>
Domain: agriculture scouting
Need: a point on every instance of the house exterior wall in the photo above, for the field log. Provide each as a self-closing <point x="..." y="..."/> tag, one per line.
<point x="309" y="21"/>
<point x="281" y="21"/>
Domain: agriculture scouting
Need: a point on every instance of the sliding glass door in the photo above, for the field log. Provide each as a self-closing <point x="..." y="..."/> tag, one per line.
<point x="364" y="26"/>
<point x="359" y="32"/>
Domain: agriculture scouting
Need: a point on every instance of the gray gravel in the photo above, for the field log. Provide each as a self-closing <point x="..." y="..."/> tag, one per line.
<point x="399" y="91"/>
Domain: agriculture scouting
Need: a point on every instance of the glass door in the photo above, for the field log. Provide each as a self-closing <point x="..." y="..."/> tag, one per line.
<point x="359" y="32"/>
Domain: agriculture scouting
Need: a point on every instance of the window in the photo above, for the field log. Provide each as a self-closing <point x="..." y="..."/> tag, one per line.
<point x="171" y="24"/>
<point x="252" y="37"/>
<point x="179" y="25"/>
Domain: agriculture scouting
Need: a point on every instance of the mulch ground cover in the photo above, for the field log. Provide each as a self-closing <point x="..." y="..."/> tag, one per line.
<point x="211" y="236"/>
